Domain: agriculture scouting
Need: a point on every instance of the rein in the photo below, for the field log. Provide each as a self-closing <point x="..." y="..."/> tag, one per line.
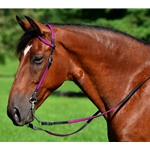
<point x="33" y="98"/>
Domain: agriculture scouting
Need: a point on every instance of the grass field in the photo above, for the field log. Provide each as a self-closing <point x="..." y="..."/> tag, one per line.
<point x="56" y="108"/>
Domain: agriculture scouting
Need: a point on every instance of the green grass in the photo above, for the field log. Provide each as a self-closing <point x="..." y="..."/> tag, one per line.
<point x="56" y="108"/>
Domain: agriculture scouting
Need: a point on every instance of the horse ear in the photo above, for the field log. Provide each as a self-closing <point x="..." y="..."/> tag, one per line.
<point x="24" y="25"/>
<point x="39" y="27"/>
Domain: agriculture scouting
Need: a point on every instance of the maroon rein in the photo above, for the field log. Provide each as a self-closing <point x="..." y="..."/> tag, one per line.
<point x="33" y="98"/>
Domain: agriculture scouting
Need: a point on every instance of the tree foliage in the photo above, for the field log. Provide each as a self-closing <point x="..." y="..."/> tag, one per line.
<point x="135" y="22"/>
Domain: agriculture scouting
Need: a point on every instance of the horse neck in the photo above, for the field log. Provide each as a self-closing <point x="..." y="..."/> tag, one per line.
<point x="102" y="62"/>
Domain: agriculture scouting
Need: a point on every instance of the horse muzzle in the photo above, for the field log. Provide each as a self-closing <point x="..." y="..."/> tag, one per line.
<point x="19" y="112"/>
<point x="18" y="118"/>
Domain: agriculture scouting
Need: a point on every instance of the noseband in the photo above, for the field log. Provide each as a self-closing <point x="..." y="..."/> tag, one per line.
<point x="33" y="98"/>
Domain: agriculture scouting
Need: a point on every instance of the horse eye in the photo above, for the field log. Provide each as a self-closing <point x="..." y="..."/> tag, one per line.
<point x="38" y="60"/>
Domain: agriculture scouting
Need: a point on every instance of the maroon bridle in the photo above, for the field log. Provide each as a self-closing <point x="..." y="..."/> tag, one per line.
<point x="33" y="98"/>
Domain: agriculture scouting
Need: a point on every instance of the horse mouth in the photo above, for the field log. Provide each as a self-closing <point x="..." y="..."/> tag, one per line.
<point x="18" y="119"/>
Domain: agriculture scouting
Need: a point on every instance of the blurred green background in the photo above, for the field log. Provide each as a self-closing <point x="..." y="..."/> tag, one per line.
<point x="133" y="21"/>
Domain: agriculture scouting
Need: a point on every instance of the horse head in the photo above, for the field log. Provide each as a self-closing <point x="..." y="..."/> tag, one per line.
<point x="33" y="57"/>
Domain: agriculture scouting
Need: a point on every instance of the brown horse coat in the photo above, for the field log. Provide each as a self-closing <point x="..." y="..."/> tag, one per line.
<point x="106" y="64"/>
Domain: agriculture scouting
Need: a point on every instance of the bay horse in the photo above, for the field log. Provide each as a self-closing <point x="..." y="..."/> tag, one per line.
<point x="105" y="63"/>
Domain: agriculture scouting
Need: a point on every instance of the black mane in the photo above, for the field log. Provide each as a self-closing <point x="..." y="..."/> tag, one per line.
<point x="105" y="29"/>
<point x="22" y="42"/>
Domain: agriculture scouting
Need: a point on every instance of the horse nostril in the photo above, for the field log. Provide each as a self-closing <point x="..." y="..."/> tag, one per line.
<point x="17" y="115"/>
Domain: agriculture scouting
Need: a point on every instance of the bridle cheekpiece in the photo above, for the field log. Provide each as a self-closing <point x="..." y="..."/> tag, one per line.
<point x="33" y="98"/>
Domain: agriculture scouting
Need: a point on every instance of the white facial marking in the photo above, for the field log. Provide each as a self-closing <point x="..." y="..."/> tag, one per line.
<point x="27" y="49"/>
